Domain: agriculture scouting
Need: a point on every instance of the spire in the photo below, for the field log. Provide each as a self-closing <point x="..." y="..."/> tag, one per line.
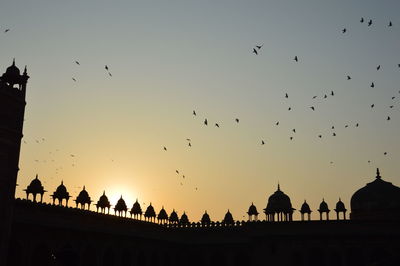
<point x="25" y="71"/>
<point x="36" y="176"/>
<point x="13" y="64"/>
<point x="279" y="187"/>
<point x="378" y="174"/>
<point x="104" y="192"/>
<point x="83" y="187"/>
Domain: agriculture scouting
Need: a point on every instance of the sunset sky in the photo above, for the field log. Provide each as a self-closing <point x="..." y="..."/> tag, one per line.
<point x="168" y="58"/>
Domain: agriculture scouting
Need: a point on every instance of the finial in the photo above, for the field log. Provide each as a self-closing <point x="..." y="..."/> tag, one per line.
<point x="279" y="187"/>
<point x="340" y="199"/>
<point x="36" y="176"/>
<point x="25" y="71"/>
<point x="62" y="182"/>
<point x="13" y="61"/>
<point x="83" y="187"/>
<point x="378" y="174"/>
<point x="104" y="192"/>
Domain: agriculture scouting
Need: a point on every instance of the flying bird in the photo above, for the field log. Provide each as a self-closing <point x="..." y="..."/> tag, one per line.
<point x="312" y="108"/>
<point x="333" y="127"/>
<point x="194" y="112"/>
<point x="334" y="134"/>
<point x="319" y="136"/>
<point x="290" y="108"/>
<point x="372" y="85"/>
<point x="370" y="22"/>
<point x="76" y="62"/>
<point x="344" y="30"/>
<point x="291" y="138"/>
<point x="109" y="74"/>
<point x="325" y="96"/>
<point x="255" y="51"/>
<point x="216" y="124"/>
<point x="286" y="95"/>
<point x="262" y="142"/>
<point x="357" y="125"/>
<point x="333" y="94"/>
<point x="205" y="122"/>
<point x="7" y="30"/>
<point x="393" y="97"/>
<point x="348" y="77"/>
<point x="237" y="120"/>
<point x="74" y="79"/>
<point x="294" y="130"/>
<point x="106" y="67"/>
<point x="296" y="59"/>
<point x="190" y="144"/>
<point x="388" y="118"/>
<point x="385" y="153"/>
<point x="390" y="24"/>
<point x="314" y="97"/>
<point x="177" y="171"/>
<point x="362" y="20"/>
<point x="378" y="67"/>
<point x="391" y="106"/>
<point x="346" y="126"/>
<point x="277" y="123"/>
<point x="259" y="46"/>
<point x="372" y="105"/>
<point x="165" y="148"/>
<point x="188" y="139"/>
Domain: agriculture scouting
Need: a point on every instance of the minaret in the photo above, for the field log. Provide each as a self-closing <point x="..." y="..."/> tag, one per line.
<point x="12" y="109"/>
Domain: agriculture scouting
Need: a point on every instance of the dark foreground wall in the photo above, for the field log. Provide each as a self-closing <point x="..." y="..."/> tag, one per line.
<point x="48" y="235"/>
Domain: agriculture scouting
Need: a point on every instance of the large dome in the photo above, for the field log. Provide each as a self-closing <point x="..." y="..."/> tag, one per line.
<point x="279" y="202"/>
<point x="376" y="201"/>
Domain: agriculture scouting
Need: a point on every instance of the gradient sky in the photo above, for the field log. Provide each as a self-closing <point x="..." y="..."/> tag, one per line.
<point x="168" y="58"/>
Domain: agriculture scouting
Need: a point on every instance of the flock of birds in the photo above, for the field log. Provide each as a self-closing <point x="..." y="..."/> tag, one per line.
<point x="256" y="50"/>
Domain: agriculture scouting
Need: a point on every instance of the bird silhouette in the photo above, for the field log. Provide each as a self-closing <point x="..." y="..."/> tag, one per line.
<point x="372" y="105"/>
<point x="334" y="134"/>
<point x="76" y="62"/>
<point x="109" y="74"/>
<point x="216" y="124"/>
<point x="314" y="97"/>
<point x="205" y="122"/>
<point x="74" y="79"/>
<point x="286" y="95"/>
<point x="319" y="136"/>
<point x="237" y="120"/>
<point x="388" y="118"/>
<point x="7" y="30"/>
<point x="106" y="67"/>
<point x="262" y="142"/>
<point x="332" y="93"/>
<point x="357" y="125"/>
<point x="190" y="144"/>
<point x="255" y="51"/>
<point x="346" y="126"/>
<point x="177" y="171"/>
<point x="344" y="30"/>
<point x="294" y="130"/>
<point x="290" y="108"/>
<point x="385" y="153"/>
<point x="277" y="123"/>
<point x="312" y="108"/>
<point x="259" y="46"/>
<point x="372" y="85"/>
<point x="362" y="20"/>
<point x="296" y="59"/>
<point x="165" y="148"/>
<point x="188" y="139"/>
<point x="393" y="97"/>
<point x="370" y="22"/>
<point x="378" y="67"/>
<point x="325" y="96"/>
<point x="390" y="24"/>
<point x="291" y="138"/>
<point x="333" y="127"/>
<point x="391" y="106"/>
<point x="348" y="77"/>
<point x="194" y="112"/>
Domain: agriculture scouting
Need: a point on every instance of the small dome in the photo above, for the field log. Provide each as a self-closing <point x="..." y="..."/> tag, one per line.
<point x="83" y="197"/>
<point x="228" y="219"/>
<point x="162" y="215"/>
<point x="279" y="202"/>
<point x="61" y="192"/>
<point x="184" y="219"/>
<point x="173" y="217"/>
<point x="150" y="213"/>
<point x="35" y="187"/>
<point x="121" y="205"/>
<point x="323" y="207"/>
<point x="13" y="71"/>
<point x="103" y="201"/>
<point x="136" y="209"/>
<point x="206" y="218"/>
<point x="340" y="206"/>
<point x="377" y="200"/>
<point x="252" y="210"/>
<point x="305" y="208"/>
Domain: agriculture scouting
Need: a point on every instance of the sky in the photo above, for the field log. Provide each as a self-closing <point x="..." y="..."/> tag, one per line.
<point x="168" y="58"/>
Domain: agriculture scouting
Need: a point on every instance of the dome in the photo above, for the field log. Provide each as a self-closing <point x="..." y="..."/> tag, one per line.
<point x="305" y="208"/>
<point x="279" y="202"/>
<point x="378" y="200"/>
<point x="323" y="207"/>
<point x="35" y="187"/>
<point x="228" y="219"/>
<point x="83" y="197"/>
<point x="150" y="213"/>
<point x="340" y="206"/>
<point x="61" y="192"/>
<point x="103" y="201"/>
<point x="121" y="205"/>
<point x="184" y="219"/>
<point x="206" y="218"/>
<point x="13" y="71"/>
<point x="173" y="217"/>
<point x="162" y="215"/>
<point x="252" y="210"/>
<point x="136" y="209"/>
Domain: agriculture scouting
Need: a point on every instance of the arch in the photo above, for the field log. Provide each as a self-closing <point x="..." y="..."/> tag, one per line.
<point x="89" y="257"/>
<point x="108" y="257"/>
<point x="15" y="254"/>
<point x="42" y="256"/>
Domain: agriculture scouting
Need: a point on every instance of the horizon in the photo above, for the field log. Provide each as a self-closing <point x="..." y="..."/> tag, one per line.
<point x="168" y="59"/>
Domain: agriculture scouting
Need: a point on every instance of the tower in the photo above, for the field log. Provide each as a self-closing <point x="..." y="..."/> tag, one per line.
<point x="12" y="109"/>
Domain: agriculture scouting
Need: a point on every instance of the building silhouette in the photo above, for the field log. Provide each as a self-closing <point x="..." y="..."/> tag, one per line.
<point x="33" y="232"/>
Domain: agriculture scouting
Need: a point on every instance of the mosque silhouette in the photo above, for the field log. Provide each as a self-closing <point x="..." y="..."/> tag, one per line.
<point x="37" y="233"/>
